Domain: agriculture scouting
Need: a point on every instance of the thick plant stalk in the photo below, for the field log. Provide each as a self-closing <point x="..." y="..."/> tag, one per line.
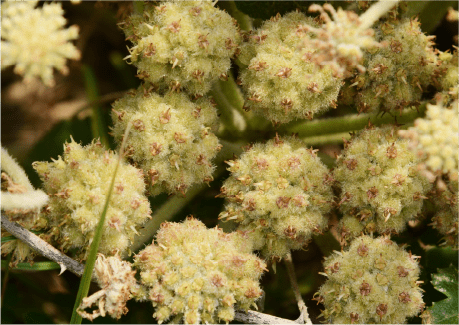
<point x="376" y="11"/>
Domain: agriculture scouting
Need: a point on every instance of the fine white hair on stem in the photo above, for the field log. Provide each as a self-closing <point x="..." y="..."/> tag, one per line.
<point x="12" y="168"/>
<point x="376" y="11"/>
<point x="30" y="200"/>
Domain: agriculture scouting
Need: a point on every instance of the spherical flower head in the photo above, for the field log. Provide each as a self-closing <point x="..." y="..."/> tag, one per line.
<point x="397" y="73"/>
<point x="35" y="40"/>
<point x="198" y="275"/>
<point x="78" y="184"/>
<point x="281" y="82"/>
<point x="116" y="278"/>
<point x="172" y="138"/>
<point x="446" y="217"/>
<point x="446" y="74"/>
<point x="373" y="282"/>
<point x="434" y="139"/>
<point x="380" y="188"/>
<point x="339" y="41"/>
<point x="278" y="192"/>
<point x="184" y="44"/>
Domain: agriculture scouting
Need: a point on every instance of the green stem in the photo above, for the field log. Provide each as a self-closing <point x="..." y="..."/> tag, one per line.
<point x="244" y="21"/>
<point x="97" y="119"/>
<point x="320" y="140"/>
<point x="232" y="120"/>
<point x="352" y="122"/>
<point x="327" y="243"/>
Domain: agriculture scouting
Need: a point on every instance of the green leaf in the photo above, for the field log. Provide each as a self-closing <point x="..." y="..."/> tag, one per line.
<point x="445" y="311"/>
<point x="37" y="266"/>
<point x="265" y="9"/>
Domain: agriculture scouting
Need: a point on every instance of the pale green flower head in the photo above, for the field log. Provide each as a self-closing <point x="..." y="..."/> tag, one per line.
<point x="77" y="184"/>
<point x="35" y="41"/>
<point x="398" y="72"/>
<point x="182" y="44"/>
<point x="373" y="282"/>
<point x="279" y="193"/>
<point x="281" y="81"/>
<point x="172" y="138"/>
<point x="380" y="187"/>
<point x="198" y="275"/>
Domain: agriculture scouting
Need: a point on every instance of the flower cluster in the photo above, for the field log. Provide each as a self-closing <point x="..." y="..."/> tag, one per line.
<point x="373" y="282"/>
<point x="278" y="192"/>
<point x="397" y="73"/>
<point x="380" y="188"/>
<point x="77" y="184"/>
<point x="195" y="274"/>
<point x="116" y="278"/>
<point x="183" y="44"/>
<point x="35" y="41"/>
<point x="281" y="82"/>
<point x="434" y="139"/>
<point x="172" y="138"/>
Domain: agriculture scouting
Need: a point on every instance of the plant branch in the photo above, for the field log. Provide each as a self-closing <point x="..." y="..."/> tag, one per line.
<point x="376" y="11"/>
<point x="296" y="290"/>
<point x="42" y="247"/>
<point x="254" y="317"/>
<point x="352" y="122"/>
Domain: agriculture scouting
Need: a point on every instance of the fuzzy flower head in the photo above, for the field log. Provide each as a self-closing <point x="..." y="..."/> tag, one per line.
<point x="278" y="192"/>
<point x="183" y="44"/>
<point x="397" y="73"/>
<point x="339" y="41"/>
<point x="434" y="139"/>
<point x="116" y="278"/>
<point x="373" y="282"/>
<point x="198" y="275"/>
<point x="77" y="184"/>
<point x="35" y="40"/>
<point x="380" y="187"/>
<point x="281" y="82"/>
<point x="172" y="138"/>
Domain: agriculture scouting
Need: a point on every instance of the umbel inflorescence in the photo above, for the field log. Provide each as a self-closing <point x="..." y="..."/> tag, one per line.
<point x="77" y="184"/>
<point x="373" y="282"/>
<point x="278" y="193"/>
<point x="281" y="81"/>
<point x="380" y="187"/>
<point x="198" y="275"/>
<point x="172" y="138"/>
<point x="182" y="44"/>
<point x="35" y="40"/>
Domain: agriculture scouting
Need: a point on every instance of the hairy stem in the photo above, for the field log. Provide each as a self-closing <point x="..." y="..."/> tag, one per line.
<point x="296" y="290"/>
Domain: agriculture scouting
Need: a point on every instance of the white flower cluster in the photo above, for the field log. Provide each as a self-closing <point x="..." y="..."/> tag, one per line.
<point x="35" y="40"/>
<point x="435" y="138"/>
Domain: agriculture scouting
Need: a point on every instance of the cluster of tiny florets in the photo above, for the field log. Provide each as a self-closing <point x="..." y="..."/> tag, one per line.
<point x="171" y="138"/>
<point x="278" y="192"/>
<point x="434" y="139"/>
<point x="446" y="217"/>
<point x="374" y="282"/>
<point x="339" y="41"/>
<point x="35" y="40"/>
<point x="281" y="81"/>
<point x="380" y="187"/>
<point x="184" y="44"/>
<point x="198" y="275"/>
<point x="398" y="72"/>
<point x="116" y="279"/>
<point x="78" y="184"/>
